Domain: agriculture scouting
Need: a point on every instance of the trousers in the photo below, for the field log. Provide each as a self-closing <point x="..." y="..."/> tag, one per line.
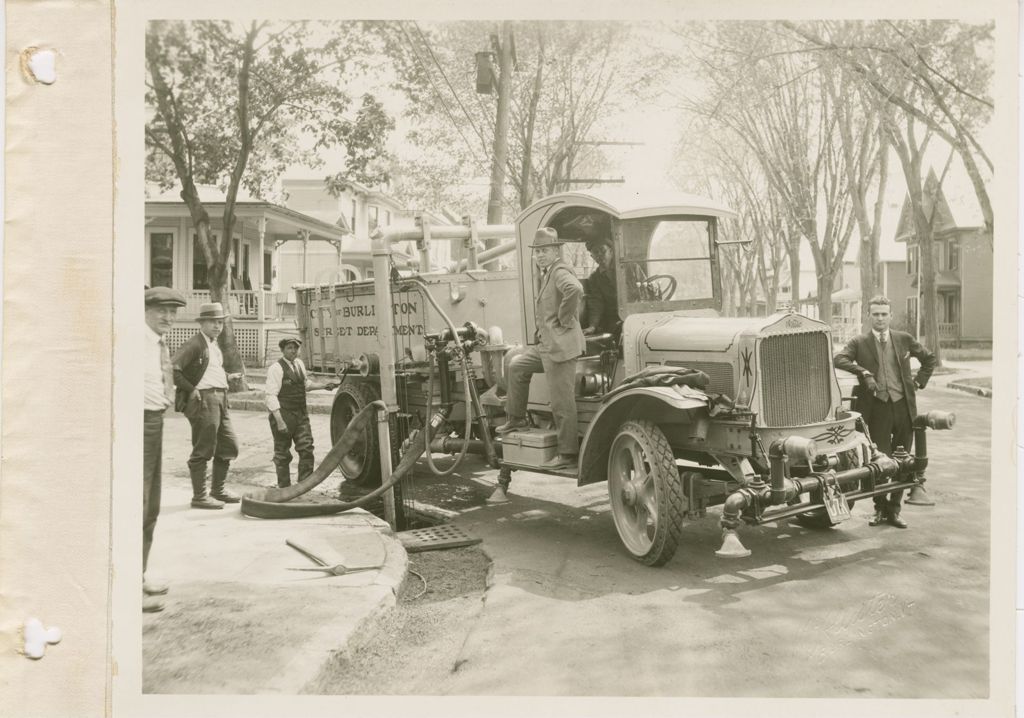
<point x="561" y="378"/>
<point x="300" y="434"/>
<point x="152" y="458"/>
<point x="889" y="424"/>
<point x="212" y="434"/>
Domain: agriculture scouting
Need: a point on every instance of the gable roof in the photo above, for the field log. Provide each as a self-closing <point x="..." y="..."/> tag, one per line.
<point x="954" y="203"/>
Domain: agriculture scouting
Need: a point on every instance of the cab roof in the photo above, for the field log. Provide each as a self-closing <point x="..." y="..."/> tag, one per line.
<point x="626" y="202"/>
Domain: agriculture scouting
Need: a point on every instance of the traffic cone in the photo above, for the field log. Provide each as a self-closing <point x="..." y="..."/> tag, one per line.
<point x="731" y="546"/>
<point x="919" y="496"/>
<point x="498" y="497"/>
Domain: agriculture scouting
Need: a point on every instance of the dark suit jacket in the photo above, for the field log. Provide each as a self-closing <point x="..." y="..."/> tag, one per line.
<point x="860" y="355"/>
<point x="557" y="313"/>
<point x="189" y="362"/>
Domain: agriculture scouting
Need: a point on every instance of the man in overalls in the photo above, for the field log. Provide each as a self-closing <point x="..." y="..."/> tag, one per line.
<point x="287" y="384"/>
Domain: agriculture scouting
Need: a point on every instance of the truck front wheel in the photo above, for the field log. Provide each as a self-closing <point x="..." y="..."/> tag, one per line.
<point x="646" y="492"/>
<point x="361" y="466"/>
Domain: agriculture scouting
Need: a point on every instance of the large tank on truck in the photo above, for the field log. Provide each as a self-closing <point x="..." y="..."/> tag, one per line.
<point x="679" y="409"/>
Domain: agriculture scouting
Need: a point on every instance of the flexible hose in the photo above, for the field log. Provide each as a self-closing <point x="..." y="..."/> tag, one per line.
<point x="266" y="507"/>
<point x="468" y="429"/>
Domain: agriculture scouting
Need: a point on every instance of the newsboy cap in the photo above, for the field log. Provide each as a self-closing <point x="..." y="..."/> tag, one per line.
<point x="546" y="237"/>
<point x="164" y="295"/>
<point x="211" y="310"/>
<point x="289" y="340"/>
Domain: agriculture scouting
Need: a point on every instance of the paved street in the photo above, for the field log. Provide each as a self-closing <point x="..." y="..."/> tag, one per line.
<point x="852" y="611"/>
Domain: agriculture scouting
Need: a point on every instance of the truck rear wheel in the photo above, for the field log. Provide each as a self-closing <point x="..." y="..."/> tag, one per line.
<point x="361" y="466"/>
<point x="646" y="492"/>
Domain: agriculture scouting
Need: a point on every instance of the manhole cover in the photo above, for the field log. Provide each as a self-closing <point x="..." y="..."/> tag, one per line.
<point x="435" y="537"/>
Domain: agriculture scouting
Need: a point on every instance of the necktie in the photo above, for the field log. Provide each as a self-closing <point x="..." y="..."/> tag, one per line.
<point x="167" y="370"/>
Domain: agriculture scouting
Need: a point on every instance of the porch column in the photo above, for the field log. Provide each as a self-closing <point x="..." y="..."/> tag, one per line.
<point x="341" y="273"/>
<point x="304" y="236"/>
<point x="261" y="334"/>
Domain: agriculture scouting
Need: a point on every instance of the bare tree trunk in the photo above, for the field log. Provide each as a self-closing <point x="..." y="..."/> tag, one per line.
<point x="525" y="189"/>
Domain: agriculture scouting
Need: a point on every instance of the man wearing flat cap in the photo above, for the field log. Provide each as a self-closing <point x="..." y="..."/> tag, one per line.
<point x="161" y="306"/>
<point x="559" y="340"/>
<point x="286" y="387"/>
<point x="202" y="396"/>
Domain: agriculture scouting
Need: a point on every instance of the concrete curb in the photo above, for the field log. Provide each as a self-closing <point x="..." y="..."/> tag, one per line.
<point x="976" y="390"/>
<point x="254" y="401"/>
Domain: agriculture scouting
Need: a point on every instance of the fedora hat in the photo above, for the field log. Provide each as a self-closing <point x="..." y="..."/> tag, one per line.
<point x="546" y="237"/>
<point x="211" y="310"/>
<point x="289" y="340"/>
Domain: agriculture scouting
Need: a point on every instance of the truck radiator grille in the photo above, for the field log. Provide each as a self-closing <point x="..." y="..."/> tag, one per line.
<point x="796" y="372"/>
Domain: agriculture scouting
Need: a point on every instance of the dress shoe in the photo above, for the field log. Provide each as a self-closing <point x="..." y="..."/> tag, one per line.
<point x="151" y="588"/>
<point x="206" y="502"/>
<point x="895" y="520"/>
<point x="879" y="518"/>
<point x="225" y="497"/>
<point x="512" y="425"/>
<point x="561" y="461"/>
<point x="151" y="604"/>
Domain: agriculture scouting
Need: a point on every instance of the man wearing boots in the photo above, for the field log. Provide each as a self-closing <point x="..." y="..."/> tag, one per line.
<point x="287" y="384"/>
<point x="161" y="306"/>
<point x="886" y="397"/>
<point x="202" y="388"/>
<point x="559" y="340"/>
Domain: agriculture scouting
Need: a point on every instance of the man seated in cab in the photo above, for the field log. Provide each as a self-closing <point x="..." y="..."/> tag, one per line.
<point x="602" y="302"/>
<point x="559" y="341"/>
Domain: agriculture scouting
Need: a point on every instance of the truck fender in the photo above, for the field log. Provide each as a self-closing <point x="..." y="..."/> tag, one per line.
<point x="657" y="403"/>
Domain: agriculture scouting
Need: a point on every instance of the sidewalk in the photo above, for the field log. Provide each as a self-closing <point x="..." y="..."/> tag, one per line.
<point x="962" y="373"/>
<point x="237" y="620"/>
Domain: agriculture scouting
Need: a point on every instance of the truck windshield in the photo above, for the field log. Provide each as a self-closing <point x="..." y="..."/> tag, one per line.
<point x="667" y="259"/>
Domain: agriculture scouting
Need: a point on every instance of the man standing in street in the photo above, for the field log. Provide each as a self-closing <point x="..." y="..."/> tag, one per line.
<point x="887" y="396"/>
<point x="286" y="387"/>
<point x="202" y="396"/>
<point x="559" y="340"/>
<point x="602" y="313"/>
<point x="161" y="306"/>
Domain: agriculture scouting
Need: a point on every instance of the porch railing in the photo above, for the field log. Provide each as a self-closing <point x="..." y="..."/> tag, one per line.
<point x="241" y="304"/>
<point x="949" y="330"/>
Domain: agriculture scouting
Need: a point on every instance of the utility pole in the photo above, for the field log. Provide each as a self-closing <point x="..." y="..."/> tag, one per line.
<point x="503" y="49"/>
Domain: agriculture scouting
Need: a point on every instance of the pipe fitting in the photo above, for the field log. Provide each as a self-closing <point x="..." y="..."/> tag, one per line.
<point x="938" y="420"/>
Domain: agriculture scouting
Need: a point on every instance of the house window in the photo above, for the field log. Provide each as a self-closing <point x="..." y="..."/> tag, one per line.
<point x="373" y="218"/>
<point x="912" y="260"/>
<point x="268" y="263"/>
<point x="246" y="282"/>
<point x="161" y="259"/>
<point x="353" y="215"/>
<point x="953" y="259"/>
<point x="912" y="314"/>
<point x="387" y="218"/>
<point x="200" y="272"/>
<point x="234" y="258"/>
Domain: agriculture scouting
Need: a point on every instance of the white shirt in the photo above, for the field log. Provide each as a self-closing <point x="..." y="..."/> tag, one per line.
<point x="155" y="398"/>
<point x="275" y="375"/>
<point x="881" y="337"/>
<point x="214" y="376"/>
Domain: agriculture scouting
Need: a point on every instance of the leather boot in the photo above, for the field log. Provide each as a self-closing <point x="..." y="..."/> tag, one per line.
<point x="880" y="517"/>
<point x="895" y="520"/>
<point x="283" y="476"/>
<point x="217" y="490"/>
<point x="200" y="500"/>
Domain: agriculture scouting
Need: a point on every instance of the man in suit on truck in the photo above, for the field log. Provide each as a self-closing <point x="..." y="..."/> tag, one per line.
<point x="559" y="340"/>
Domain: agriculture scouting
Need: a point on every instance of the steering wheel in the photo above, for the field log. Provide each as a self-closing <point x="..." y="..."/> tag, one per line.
<point x="661" y="292"/>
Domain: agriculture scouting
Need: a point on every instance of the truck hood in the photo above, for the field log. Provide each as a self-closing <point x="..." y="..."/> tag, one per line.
<point x="683" y="333"/>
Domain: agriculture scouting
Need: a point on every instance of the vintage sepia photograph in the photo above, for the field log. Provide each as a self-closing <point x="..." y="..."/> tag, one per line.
<point x="647" y="357"/>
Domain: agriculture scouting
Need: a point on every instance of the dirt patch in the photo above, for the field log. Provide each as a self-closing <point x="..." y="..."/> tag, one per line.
<point x="415" y="647"/>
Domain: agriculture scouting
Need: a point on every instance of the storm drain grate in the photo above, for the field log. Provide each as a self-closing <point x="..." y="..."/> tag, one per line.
<point x="435" y="537"/>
